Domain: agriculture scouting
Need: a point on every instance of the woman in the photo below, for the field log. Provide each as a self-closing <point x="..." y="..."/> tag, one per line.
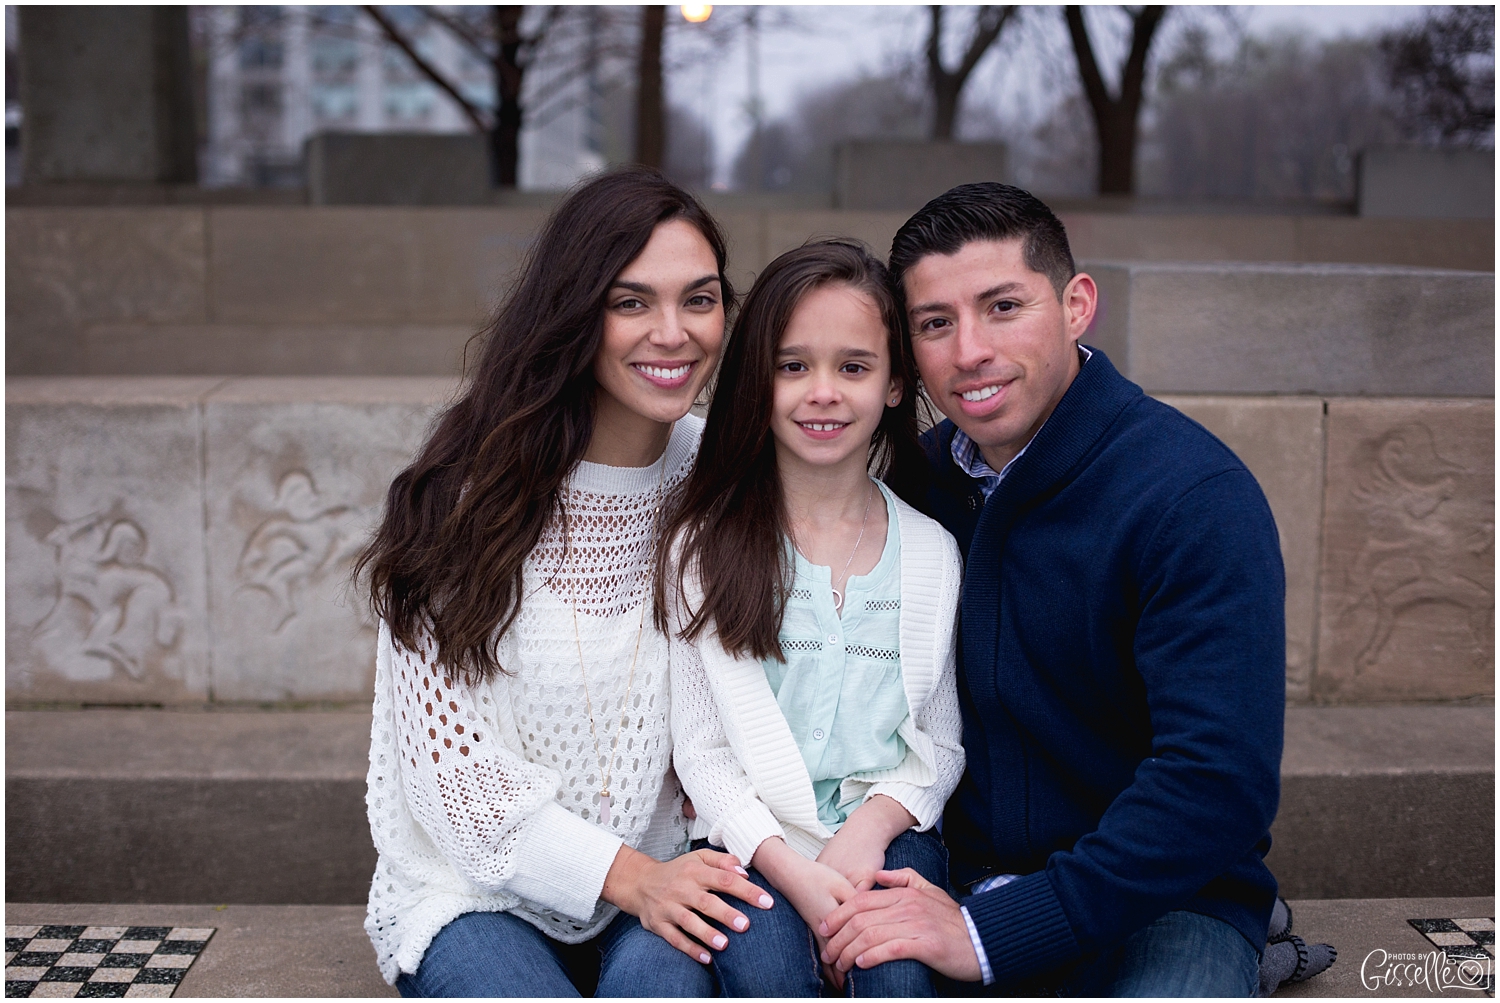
<point x="520" y="792"/>
<point x="815" y="714"/>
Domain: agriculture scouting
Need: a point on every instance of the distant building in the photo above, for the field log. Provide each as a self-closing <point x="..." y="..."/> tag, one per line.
<point x="277" y="74"/>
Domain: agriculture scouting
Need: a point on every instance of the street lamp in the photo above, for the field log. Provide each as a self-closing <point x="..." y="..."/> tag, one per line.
<point x="697" y="13"/>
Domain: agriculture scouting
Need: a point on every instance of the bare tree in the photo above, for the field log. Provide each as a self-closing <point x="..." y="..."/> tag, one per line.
<point x="947" y="85"/>
<point x="508" y="49"/>
<point x="1443" y="72"/>
<point x="650" y="108"/>
<point x="1116" y="116"/>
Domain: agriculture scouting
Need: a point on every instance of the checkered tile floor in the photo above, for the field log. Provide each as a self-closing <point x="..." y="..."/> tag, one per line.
<point x="1464" y="939"/>
<point x="95" y="961"/>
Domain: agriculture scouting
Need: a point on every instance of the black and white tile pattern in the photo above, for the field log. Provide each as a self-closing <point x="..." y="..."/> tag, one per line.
<point x="99" y="961"/>
<point x="1463" y="939"/>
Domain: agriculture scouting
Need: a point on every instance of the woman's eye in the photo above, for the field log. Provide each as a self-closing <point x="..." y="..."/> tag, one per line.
<point x="793" y="367"/>
<point x="629" y="304"/>
<point x="851" y="367"/>
<point x="702" y="300"/>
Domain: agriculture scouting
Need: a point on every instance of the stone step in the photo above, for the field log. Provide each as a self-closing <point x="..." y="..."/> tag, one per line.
<point x="309" y="950"/>
<point x="258" y="807"/>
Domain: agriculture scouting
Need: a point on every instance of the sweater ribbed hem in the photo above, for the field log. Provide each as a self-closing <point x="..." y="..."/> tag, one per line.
<point x="923" y="803"/>
<point x="744" y="830"/>
<point x="561" y="862"/>
<point x="1023" y="928"/>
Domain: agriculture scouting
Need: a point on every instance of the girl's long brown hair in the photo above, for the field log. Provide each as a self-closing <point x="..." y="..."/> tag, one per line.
<point x="458" y="524"/>
<point x="730" y="517"/>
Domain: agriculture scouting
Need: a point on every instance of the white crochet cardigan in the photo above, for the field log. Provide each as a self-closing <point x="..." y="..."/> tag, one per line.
<point x="485" y="798"/>
<point x="737" y="758"/>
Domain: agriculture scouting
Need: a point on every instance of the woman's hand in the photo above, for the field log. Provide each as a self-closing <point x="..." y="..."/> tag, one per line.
<point x="671" y="899"/>
<point x="857" y="850"/>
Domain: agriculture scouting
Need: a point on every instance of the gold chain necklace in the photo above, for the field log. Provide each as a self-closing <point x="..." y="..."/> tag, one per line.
<point x="606" y="797"/>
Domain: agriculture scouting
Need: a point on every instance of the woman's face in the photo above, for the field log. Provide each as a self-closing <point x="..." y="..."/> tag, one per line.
<point x="833" y="379"/>
<point x="663" y="328"/>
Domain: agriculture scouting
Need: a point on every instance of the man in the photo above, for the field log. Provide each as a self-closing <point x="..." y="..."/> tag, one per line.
<point x="1123" y="653"/>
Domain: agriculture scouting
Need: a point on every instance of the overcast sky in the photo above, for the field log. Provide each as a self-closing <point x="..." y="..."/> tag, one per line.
<point x="806" y="47"/>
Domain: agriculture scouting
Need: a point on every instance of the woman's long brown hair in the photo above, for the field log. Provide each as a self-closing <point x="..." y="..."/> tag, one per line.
<point x="458" y="524"/>
<point x="729" y="517"/>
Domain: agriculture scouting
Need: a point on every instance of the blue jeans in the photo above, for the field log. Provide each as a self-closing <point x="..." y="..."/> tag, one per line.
<point x="496" y="954"/>
<point x="1181" y="954"/>
<point x="778" y="956"/>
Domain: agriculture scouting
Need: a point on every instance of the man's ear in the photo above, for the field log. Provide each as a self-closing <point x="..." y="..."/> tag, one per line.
<point x="1080" y="300"/>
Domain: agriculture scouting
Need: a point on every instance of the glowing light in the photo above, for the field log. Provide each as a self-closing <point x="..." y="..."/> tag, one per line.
<point x="697" y="13"/>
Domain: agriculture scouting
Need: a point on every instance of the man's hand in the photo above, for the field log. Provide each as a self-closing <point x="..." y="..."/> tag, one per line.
<point x="909" y="918"/>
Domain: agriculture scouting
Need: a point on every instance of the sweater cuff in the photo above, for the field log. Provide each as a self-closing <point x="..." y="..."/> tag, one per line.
<point x="1023" y="928"/>
<point x="561" y="861"/>
<point x="743" y="830"/>
<point x="920" y="801"/>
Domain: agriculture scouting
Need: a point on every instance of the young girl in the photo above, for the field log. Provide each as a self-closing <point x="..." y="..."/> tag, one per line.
<point x="815" y="714"/>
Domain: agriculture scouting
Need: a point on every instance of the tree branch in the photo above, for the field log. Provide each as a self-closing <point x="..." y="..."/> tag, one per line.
<point x="425" y="68"/>
<point x="461" y="30"/>
<point x="1088" y="67"/>
<point x="1132" y="81"/>
<point x="984" y="36"/>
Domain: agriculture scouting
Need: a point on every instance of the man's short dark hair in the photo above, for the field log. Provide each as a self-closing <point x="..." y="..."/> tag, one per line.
<point x="985" y="211"/>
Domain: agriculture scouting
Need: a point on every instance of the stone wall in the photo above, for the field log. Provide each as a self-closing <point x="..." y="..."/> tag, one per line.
<point x="366" y="291"/>
<point x="184" y="540"/>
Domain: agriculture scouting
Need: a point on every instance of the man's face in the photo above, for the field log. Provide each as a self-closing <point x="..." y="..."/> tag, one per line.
<point x="996" y="346"/>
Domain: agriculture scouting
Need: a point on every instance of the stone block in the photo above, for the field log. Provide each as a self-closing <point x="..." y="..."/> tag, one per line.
<point x="1281" y="440"/>
<point x="106" y="598"/>
<point x="108" y="94"/>
<point x="334" y="265"/>
<point x="786" y="230"/>
<point x="295" y="479"/>
<point x="1463" y="244"/>
<point x="1426" y="182"/>
<point x="1328" y="329"/>
<point x="275" y="349"/>
<point x="1407" y="579"/>
<point x="74" y="266"/>
<point x="745" y="239"/>
<point x="905" y="174"/>
<point x="1137" y="237"/>
<point x="395" y="168"/>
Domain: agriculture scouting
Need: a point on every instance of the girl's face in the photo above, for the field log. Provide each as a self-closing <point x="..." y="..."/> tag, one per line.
<point x="833" y="379"/>
<point x="663" y="327"/>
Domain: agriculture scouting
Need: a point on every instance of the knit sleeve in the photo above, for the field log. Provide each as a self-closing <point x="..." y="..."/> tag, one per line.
<point x="711" y="774"/>
<point x="939" y="718"/>
<point x="492" y="814"/>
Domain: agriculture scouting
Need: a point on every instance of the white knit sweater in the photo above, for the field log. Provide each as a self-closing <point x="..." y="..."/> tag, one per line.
<point x="486" y="798"/>
<point x="736" y="754"/>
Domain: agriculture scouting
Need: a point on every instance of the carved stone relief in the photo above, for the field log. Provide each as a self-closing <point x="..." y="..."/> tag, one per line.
<point x="1407" y="606"/>
<point x="104" y="569"/>
<point x="304" y="542"/>
<point x="294" y="489"/>
<point x="115" y="614"/>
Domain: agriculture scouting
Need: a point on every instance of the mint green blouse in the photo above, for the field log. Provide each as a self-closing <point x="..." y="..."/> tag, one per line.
<point x="840" y="687"/>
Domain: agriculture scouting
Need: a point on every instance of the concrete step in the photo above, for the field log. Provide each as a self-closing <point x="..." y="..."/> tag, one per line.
<point x="267" y="807"/>
<point x="300" y="950"/>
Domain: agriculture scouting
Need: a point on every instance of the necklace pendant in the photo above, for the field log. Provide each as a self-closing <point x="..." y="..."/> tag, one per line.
<point x="838" y="601"/>
<point x="604" y="803"/>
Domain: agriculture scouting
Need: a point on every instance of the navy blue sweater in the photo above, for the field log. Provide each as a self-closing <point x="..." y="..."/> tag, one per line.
<point x="1122" y="678"/>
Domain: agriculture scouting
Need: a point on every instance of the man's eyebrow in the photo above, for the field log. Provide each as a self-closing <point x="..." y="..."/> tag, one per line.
<point x="1000" y="290"/>
<point x="928" y="308"/>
